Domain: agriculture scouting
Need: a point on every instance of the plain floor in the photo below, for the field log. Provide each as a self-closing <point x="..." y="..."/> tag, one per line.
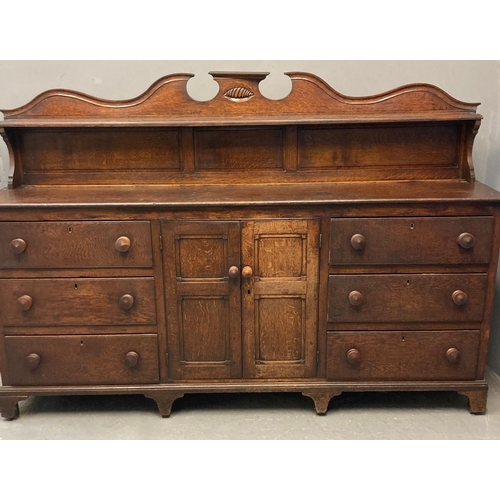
<point x="383" y="415"/>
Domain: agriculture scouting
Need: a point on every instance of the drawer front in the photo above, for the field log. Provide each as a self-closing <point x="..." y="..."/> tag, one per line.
<point x="61" y="302"/>
<point x="402" y="355"/>
<point x="417" y="240"/>
<point x="90" y="359"/>
<point x="387" y="298"/>
<point x="62" y="245"/>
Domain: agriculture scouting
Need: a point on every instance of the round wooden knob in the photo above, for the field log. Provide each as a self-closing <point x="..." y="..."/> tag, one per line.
<point x="233" y="272"/>
<point x="353" y="356"/>
<point x="247" y="272"/>
<point x="358" y="242"/>
<point x="459" y="297"/>
<point x="453" y="355"/>
<point x="356" y="298"/>
<point x="25" y="301"/>
<point x="466" y="240"/>
<point x="33" y="360"/>
<point x="122" y="244"/>
<point x="18" y="245"/>
<point x="126" y="301"/>
<point x="131" y="359"/>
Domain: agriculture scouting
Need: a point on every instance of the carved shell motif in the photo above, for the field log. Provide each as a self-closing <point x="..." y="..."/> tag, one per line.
<point x="239" y="94"/>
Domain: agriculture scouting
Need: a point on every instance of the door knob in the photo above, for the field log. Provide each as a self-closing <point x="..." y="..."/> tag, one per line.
<point x="358" y="242"/>
<point x="247" y="272"/>
<point x="126" y="301"/>
<point x="25" y="301"/>
<point x="131" y="359"/>
<point x="122" y="244"/>
<point x="453" y="355"/>
<point x="233" y="272"/>
<point x="466" y="240"/>
<point x="459" y="297"/>
<point x="356" y="298"/>
<point x="33" y="360"/>
<point x="18" y="246"/>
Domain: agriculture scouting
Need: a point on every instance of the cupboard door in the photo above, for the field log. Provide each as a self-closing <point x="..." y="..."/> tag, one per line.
<point x="203" y="303"/>
<point x="280" y="299"/>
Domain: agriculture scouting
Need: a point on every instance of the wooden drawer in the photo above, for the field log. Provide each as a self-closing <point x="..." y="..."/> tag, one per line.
<point x="61" y="302"/>
<point x="387" y="298"/>
<point x="402" y="355"/>
<point x="410" y="240"/>
<point x="69" y="244"/>
<point x="90" y="359"/>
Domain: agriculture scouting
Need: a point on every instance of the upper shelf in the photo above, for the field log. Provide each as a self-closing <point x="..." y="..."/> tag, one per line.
<point x="239" y="102"/>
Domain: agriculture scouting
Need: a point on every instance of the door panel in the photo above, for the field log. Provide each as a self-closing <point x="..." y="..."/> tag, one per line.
<point x="203" y="303"/>
<point x="280" y="300"/>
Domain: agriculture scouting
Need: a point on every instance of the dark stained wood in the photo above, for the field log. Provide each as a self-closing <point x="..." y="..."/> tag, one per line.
<point x="354" y="195"/>
<point x="76" y="244"/>
<point x="402" y="355"/>
<point x="89" y="359"/>
<point x="280" y="298"/>
<point x="160" y="300"/>
<point x="477" y="400"/>
<point x="107" y="151"/>
<point x="405" y="298"/>
<point x="176" y="390"/>
<point x="203" y="303"/>
<point x="317" y="243"/>
<point x="415" y="240"/>
<point x="61" y="302"/>
<point x="321" y="399"/>
<point x="164" y="400"/>
<point x="490" y="295"/>
<point x="390" y="147"/>
<point x="9" y="406"/>
<point x="239" y="149"/>
<point x="33" y="360"/>
<point x="310" y="97"/>
<point x="15" y="172"/>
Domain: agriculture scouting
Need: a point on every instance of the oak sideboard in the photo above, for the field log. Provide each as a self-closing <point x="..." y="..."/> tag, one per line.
<point x="317" y="244"/>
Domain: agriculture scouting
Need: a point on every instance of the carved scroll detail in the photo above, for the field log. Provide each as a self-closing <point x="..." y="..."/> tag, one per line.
<point x="473" y="129"/>
<point x="14" y="177"/>
<point x="239" y="94"/>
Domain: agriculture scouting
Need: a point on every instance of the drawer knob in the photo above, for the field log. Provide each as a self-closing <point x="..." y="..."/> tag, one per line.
<point x="18" y="245"/>
<point x="453" y="355"/>
<point x="126" y="301"/>
<point x="466" y="240"/>
<point x="233" y="272"/>
<point x="33" y="360"/>
<point x="247" y="272"/>
<point x="131" y="359"/>
<point x="353" y="356"/>
<point x="356" y="298"/>
<point x="358" y="242"/>
<point x="25" y="301"/>
<point x="122" y="244"/>
<point x="459" y="297"/>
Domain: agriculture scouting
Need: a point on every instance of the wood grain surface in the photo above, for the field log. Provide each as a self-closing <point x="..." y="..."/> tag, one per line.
<point x="406" y="298"/>
<point x="402" y="355"/>
<point x="75" y="244"/>
<point x="410" y="240"/>
<point x="89" y="359"/>
<point x="77" y="301"/>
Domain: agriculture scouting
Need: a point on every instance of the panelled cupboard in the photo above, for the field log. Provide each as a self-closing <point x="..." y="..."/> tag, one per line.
<point x="316" y="244"/>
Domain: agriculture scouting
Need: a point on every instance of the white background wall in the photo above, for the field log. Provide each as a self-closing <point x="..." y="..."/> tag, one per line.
<point x="474" y="81"/>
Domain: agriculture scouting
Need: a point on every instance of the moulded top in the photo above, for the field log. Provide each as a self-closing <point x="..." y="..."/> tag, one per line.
<point x="239" y="102"/>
